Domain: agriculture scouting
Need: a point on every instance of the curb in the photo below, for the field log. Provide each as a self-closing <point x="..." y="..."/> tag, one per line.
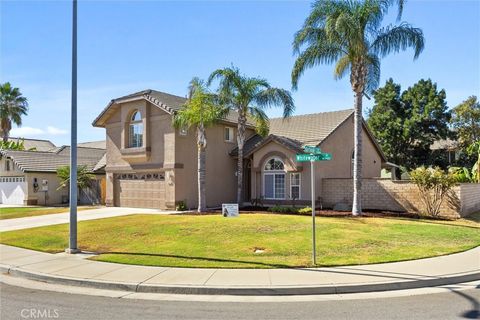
<point x="243" y="291"/>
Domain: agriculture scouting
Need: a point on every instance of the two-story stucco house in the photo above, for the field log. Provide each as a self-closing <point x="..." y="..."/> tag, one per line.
<point x="151" y="164"/>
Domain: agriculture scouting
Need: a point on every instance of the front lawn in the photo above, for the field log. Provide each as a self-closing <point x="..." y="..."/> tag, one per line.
<point x="21" y="212"/>
<point x="214" y="241"/>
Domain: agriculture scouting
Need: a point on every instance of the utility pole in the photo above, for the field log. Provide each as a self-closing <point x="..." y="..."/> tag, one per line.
<point x="72" y="248"/>
<point x="312" y="178"/>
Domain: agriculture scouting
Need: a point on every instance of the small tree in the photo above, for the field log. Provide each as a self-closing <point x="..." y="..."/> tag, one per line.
<point x="434" y="185"/>
<point x="84" y="177"/>
<point x="18" y="145"/>
<point x="474" y="150"/>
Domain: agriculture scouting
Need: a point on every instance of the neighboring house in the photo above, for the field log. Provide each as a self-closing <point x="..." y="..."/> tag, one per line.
<point x="151" y="164"/>
<point x="449" y="148"/>
<point x="37" y="144"/>
<point x="29" y="177"/>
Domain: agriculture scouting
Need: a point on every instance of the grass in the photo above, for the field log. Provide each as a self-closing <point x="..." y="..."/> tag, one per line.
<point x="21" y="212"/>
<point x="214" y="241"/>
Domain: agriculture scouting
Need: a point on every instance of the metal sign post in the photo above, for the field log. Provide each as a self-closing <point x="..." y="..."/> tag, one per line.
<point x="312" y="177"/>
<point x="314" y="154"/>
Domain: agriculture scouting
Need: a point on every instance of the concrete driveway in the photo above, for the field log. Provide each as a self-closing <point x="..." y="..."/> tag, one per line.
<point x="59" y="218"/>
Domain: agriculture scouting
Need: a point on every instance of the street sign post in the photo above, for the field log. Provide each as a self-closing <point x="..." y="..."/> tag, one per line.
<point x="313" y="154"/>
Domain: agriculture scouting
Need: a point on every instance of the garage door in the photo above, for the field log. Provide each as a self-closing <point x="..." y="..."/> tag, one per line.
<point x="13" y="190"/>
<point x="146" y="190"/>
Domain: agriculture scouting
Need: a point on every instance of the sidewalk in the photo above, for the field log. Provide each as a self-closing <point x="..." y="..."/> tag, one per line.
<point x="58" y="218"/>
<point x="76" y="270"/>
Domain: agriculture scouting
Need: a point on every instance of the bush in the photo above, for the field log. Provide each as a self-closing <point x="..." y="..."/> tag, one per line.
<point x="434" y="185"/>
<point x="306" y="210"/>
<point x="282" y="209"/>
<point x="181" y="206"/>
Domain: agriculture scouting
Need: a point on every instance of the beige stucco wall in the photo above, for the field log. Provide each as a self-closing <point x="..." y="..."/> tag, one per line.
<point x="401" y="196"/>
<point x="221" y="180"/>
<point x="339" y="144"/>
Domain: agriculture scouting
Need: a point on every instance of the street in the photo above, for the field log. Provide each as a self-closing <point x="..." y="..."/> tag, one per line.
<point x="21" y="303"/>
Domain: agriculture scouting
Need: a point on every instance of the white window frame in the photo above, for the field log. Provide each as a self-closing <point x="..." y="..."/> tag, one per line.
<point x="299" y="185"/>
<point x="132" y="143"/>
<point x="231" y="134"/>
<point x="274" y="173"/>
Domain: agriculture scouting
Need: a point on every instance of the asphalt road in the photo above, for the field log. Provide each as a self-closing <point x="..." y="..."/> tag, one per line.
<point x="20" y="303"/>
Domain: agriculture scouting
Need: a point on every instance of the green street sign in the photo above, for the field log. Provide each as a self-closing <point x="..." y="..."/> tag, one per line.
<point x="303" y="157"/>
<point x="312" y="149"/>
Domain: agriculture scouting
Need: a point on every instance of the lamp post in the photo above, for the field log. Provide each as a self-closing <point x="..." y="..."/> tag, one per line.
<point x="72" y="247"/>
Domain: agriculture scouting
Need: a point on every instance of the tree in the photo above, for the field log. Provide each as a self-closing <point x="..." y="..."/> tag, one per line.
<point x="84" y="177"/>
<point x="406" y="124"/>
<point x="349" y="34"/>
<point x="466" y="121"/>
<point x="201" y="111"/>
<point x="18" y="145"/>
<point x="12" y="107"/>
<point x="249" y="97"/>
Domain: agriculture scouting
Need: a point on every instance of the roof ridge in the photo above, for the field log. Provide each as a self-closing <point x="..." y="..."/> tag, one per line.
<point x="33" y="139"/>
<point x="313" y="114"/>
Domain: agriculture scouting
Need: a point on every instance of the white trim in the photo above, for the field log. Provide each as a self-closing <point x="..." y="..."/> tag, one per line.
<point x="299" y="185"/>
<point x="273" y="173"/>
<point x="231" y="134"/>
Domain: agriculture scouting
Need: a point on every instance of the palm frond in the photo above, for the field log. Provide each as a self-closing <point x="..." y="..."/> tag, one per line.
<point x="262" y="126"/>
<point x="397" y="38"/>
<point x="276" y="97"/>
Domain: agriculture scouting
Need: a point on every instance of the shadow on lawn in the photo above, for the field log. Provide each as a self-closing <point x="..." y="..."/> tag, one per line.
<point x="271" y="265"/>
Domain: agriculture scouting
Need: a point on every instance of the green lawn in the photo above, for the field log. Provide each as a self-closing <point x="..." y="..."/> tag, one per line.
<point x="21" y="212"/>
<point x="214" y="241"/>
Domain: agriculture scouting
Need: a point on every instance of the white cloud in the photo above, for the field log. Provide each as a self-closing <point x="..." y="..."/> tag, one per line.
<point x="26" y="131"/>
<point x="56" y="131"/>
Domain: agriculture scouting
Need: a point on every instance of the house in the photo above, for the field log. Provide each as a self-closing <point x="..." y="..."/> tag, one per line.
<point x="151" y="164"/>
<point x="29" y="177"/>
<point x="35" y="144"/>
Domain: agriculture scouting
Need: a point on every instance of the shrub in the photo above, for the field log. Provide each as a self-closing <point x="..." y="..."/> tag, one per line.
<point x="434" y="185"/>
<point x="461" y="174"/>
<point x="282" y="209"/>
<point x="306" y="210"/>
<point x="181" y="206"/>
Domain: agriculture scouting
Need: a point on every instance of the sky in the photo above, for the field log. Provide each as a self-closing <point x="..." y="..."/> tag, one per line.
<point x="128" y="46"/>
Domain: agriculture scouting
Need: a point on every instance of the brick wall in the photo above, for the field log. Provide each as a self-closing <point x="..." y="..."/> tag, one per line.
<point x="401" y="196"/>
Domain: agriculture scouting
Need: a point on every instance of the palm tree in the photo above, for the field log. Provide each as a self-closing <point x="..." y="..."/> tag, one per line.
<point x="84" y="177"/>
<point x="200" y="111"/>
<point x="249" y="97"/>
<point x="12" y="107"/>
<point x="349" y="34"/>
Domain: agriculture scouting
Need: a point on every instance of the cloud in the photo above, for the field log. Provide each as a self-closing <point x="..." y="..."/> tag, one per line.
<point x="29" y="131"/>
<point x="26" y="131"/>
<point x="56" y="131"/>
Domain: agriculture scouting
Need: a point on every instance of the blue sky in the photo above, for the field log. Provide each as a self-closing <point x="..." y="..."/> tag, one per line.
<point x="128" y="46"/>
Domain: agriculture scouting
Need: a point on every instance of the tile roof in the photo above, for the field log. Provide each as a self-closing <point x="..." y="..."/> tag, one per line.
<point x="44" y="161"/>
<point x="38" y="144"/>
<point x="102" y="144"/>
<point x="309" y="129"/>
<point x="168" y="102"/>
<point x="298" y="131"/>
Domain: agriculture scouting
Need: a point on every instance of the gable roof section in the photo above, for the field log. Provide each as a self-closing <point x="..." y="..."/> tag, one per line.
<point x="38" y="144"/>
<point x="165" y="101"/>
<point x="298" y="131"/>
<point x="44" y="161"/>
<point x="101" y="144"/>
<point x="309" y="129"/>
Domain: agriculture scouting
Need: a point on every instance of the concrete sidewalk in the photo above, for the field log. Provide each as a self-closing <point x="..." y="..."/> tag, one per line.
<point x="58" y="218"/>
<point x="76" y="270"/>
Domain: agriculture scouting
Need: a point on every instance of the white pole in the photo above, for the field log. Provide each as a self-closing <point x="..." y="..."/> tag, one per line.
<point x="312" y="178"/>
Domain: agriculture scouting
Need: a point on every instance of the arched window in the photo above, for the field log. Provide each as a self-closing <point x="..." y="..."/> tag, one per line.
<point x="274" y="179"/>
<point x="135" y="135"/>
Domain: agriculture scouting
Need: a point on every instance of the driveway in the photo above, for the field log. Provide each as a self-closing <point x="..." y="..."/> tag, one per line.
<point x="59" y="218"/>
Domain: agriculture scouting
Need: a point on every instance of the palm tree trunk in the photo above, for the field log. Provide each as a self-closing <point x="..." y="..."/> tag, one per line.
<point x="240" y="141"/>
<point x="4" y="129"/>
<point x="201" y="176"/>
<point x="357" y="156"/>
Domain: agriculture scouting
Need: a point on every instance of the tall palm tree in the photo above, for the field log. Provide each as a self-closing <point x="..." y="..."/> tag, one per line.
<point x="249" y="97"/>
<point x="12" y="107"/>
<point x="200" y="111"/>
<point x="348" y="33"/>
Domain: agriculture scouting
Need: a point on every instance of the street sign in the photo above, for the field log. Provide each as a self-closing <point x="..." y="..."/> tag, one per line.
<point x="312" y="149"/>
<point x="304" y="157"/>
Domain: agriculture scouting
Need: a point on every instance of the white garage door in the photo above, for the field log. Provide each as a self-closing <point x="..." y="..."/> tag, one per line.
<point x="12" y="190"/>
